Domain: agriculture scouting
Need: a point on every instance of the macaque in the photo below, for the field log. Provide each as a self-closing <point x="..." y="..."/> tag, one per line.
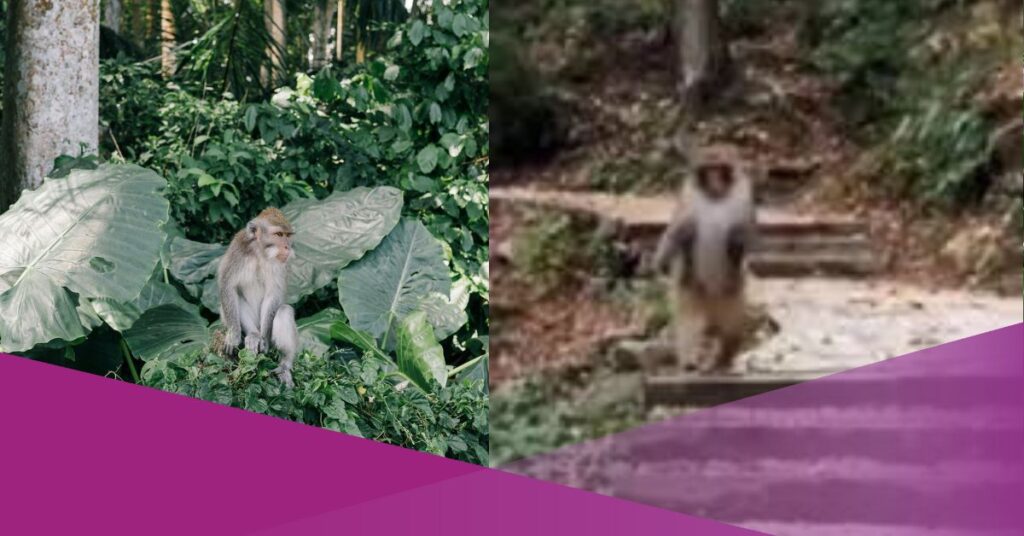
<point x="703" y="251"/>
<point x="252" y="277"/>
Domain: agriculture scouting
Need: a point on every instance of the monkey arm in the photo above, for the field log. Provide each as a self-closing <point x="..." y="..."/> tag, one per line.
<point x="230" y="316"/>
<point x="677" y="240"/>
<point x="739" y="242"/>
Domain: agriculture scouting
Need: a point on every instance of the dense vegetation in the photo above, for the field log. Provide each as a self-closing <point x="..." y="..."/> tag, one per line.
<point x="379" y="163"/>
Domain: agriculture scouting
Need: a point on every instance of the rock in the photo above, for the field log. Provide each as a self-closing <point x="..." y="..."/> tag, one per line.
<point x="633" y="354"/>
<point x="974" y="250"/>
<point x="1009" y="184"/>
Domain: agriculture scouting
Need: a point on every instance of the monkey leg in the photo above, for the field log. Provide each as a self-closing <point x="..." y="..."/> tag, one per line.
<point x="248" y="315"/>
<point x="689" y="324"/>
<point x="728" y="325"/>
<point x="285" y="337"/>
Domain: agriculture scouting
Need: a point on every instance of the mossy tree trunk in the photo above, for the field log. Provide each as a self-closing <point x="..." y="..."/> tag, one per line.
<point x="51" y="89"/>
<point x="703" y="52"/>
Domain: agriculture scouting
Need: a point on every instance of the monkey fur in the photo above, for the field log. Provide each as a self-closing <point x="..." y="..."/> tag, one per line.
<point x="703" y="252"/>
<point x="252" y="279"/>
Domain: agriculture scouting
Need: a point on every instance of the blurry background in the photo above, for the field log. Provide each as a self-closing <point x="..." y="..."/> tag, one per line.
<point x="888" y="133"/>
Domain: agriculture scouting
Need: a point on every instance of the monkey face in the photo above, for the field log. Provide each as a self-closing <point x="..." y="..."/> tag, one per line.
<point x="270" y="233"/>
<point x="715" y="180"/>
<point x="277" y="243"/>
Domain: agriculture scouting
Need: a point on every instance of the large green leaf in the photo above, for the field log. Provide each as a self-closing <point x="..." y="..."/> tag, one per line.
<point x="420" y="357"/>
<point x="194" y="264"/>
<point x="121" y="315"/>
<point x="315" y="331"/>
<point x="391" y="281"/>
<point x="96" y="233"/>
<point x="447" y="313"/>
<point x="475" y="371"/>
<point x="167" y="331"/>
<point x="364" y="341"/>
<point x="331" y="233"/>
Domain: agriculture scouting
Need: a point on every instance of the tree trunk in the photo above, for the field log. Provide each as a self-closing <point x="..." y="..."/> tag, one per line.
<point x="323" y="17"/>
<point x="112" y="15"/>
<point x="339" y="31"/>
<point x="273" y="18"/>
<point x="360" y="52"/>
<point x="168" y="61"/>
<point x="137" y="12"/>
<point x="703" y="52"/>
<point x="51" y="89"/>
<point x="152" y="20"/>
<point x="358" y="30"/>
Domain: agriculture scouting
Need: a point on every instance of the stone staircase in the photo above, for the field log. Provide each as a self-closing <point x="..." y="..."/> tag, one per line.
<point x="790" y="245"/>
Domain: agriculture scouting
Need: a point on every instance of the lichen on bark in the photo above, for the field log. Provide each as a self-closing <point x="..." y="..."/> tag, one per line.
<point x="51" y="89"/>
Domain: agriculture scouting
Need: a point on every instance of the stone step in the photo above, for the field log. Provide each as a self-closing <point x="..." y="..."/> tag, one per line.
<point x="801" y="264"/>
<point x="639" y="216"/>
<point x="892" y="433"/>
<point x="821" y="490"/>
<point x="770" y="224"/>
<point x="790" y="244"/>
<point x="944" y="390"/>
<point x="813" y="243"/>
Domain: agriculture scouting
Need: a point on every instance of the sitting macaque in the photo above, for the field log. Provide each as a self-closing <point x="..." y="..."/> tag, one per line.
<point x="252" y="277"/>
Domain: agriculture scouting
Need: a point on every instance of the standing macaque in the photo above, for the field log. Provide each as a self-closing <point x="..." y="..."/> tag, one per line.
<point x="703" y="251"/>
<point x="252" y="277"/>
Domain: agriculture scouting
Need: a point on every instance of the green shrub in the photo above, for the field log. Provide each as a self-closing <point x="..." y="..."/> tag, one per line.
<point x="939" y="152"/>
<point x="357" y="396"/>
<point x="898" y="93"/>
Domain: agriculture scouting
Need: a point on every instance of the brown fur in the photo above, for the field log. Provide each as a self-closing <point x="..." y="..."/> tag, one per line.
<point x="275" y="217"/>
<point x="708" y="281"/>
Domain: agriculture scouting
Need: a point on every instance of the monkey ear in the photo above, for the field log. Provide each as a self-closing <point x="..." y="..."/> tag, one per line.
<point x="251" y="228"/>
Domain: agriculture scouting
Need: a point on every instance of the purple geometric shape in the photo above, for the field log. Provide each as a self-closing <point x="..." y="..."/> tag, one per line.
<point x="929" y="440"/>
<point x="82" y="454"/>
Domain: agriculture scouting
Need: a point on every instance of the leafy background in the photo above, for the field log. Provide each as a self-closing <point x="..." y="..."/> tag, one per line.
<point x="382" y="167"/>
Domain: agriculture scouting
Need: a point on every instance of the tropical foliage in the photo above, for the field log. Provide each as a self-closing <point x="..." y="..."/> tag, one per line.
<point x="380" y="166"/>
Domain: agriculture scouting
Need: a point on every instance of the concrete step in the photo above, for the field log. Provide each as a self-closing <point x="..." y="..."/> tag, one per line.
<point x="771" y="224"/>
<point x="639" y="216"/>
<point x="820" y="490"/>
<point x="893" y="433"/>
<point x="814" y="243"/>
<point x="943" y="390"/>
<point x="858" y="263"/>
<point x="790" y="244"/>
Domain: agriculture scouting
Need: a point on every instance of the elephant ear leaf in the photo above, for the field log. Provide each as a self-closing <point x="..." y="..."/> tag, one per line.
<point x="95" y="234"/>
<point x="333" y="232"/>
<point x="447" y="313"/>
<point x="420" y="357"/>
<point x="390" y="282"/>
<point x="121" y="315"/>
<point x="167" y="331"/>
<point x="315" y="331"/>
<point x="194" y="264"/>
